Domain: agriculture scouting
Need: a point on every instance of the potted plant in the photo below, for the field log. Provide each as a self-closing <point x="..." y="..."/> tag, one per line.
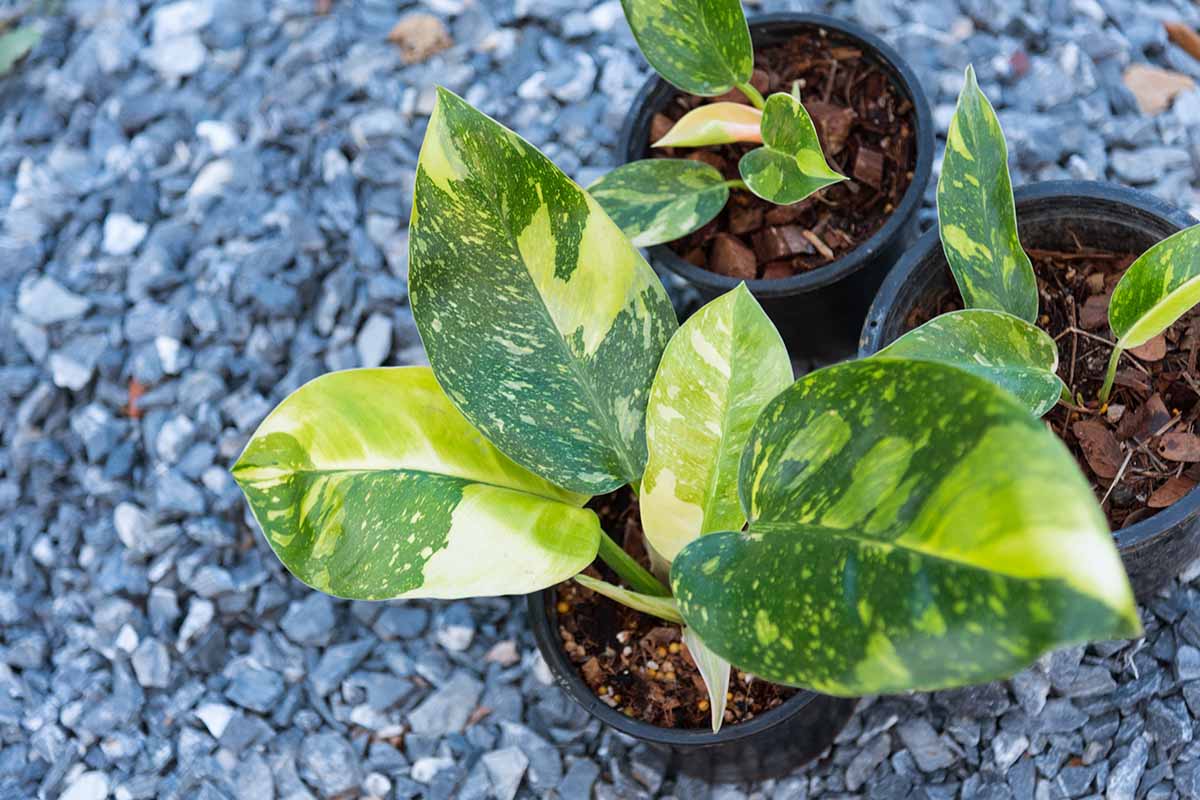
<point x="715" y="186"/>
<point x="1108" y="274"/>
<point x="877" y="526"/>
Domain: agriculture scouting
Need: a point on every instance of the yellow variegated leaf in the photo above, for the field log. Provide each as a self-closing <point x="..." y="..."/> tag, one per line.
<point x="718" y="371"/>
<point x="790" y="165"/>
<point x="1159" y="287"/>
<point x="715" y="123"/>
<point x="912" y="526"/>
<point x="977" y="218"/>
<point x="701" y="46"/>
<point x="540" y="319"/>
<point x="715" y="672"/>
<point x="369" y="484"/>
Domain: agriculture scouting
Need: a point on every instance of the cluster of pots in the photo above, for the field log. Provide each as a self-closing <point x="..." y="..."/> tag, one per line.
<point x="856" y="305"/>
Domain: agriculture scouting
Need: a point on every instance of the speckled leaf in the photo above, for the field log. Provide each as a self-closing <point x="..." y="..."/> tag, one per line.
<point x="661" y="607"/>
<point x="661" y="199"/>
<point x="977" y="217"/>
<point x="790" y="165"/>
<point x="719" y="370"/>
<point x="715" y="123"/>
<point x="701" y="46"/>
<point x="1016" y="356"/>
<point x="911" y="527"/>
<point x="540" y="319"/>
<point x="715" y="672"/>
<point x="369" y="484"/>
<point x="1159" y="287"/>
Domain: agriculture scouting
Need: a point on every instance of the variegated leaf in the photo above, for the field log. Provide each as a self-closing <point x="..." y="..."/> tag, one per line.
<point x="1159" y="287"/>
<point x="719" y="370"/>
<point x="369" y="484"/>
<point x="715" y="672"/>
<point x="661" y="607"/>
<point x="911" y="527"/>
<point x="977" y="217"/>
<point x="715" y="123"/>
<point x="540" y="319"/>
<point x="701" y="46"/>
<point x="790" y="165"/>
<point x="1013" y="354"/>
<point x="661" y="199"/>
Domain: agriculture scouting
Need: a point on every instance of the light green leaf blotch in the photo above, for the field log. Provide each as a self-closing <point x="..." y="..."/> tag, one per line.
<point x="790" y="165"/>
<point x="977" y="215"/>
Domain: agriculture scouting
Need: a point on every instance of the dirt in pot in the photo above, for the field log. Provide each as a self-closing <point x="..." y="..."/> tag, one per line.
<point x="867" y="129"/>
<point x="637" y="663"/>
<point x="1141" y="452"/>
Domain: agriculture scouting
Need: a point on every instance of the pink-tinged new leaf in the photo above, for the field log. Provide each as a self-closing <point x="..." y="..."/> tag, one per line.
<point x="715" y="123"/>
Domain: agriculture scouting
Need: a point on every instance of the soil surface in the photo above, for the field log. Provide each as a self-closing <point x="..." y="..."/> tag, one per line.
<point x="868" y="133"/>
<point x="635" y="662"/>
<point x="1141" y="452"/>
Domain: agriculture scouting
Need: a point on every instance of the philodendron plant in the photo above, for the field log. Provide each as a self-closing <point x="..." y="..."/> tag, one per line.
<point x="910" y="526"/>
<point x="996" y="336"/>
<point x="703" y="48"/>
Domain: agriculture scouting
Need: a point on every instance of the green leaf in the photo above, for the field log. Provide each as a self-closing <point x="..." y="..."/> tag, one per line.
<point x="977" y="216"/>
<point x="661" y="607"/>
<point x="661" y="199"/>
<point x="15" y="44"/>
<point x="541" y="321"/>
<point x="1159" y="287"/>
<point x="790" y="165"/>
<point x="911" y="527"/>
<point x="719" y="370"/>
<point x="1008" y="351"/>
<point x="369" y="484"/>
<point x="715" y="123"/>
<point x="715" y="672"/>
<point x="701" y="46"/>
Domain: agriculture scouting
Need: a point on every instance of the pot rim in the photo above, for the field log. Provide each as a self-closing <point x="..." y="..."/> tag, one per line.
<point x="904" y="76"/>
<point x="545" y="633"/>
<point x="1140" y="533"/>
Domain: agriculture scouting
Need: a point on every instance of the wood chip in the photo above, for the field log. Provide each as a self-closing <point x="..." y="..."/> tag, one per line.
<point x="1180" y="446"/>
<point x="1184" y="36"/>
<point x="1149" y="418"/>
<point x="1094" y="314"/>
<point x="420" y="36"/>
<point x="1155" y="88"/>
<point x="781" y="241"/>
<point x="745" y="219"/>
<point x="868" y="167"/>
<point x="1100" y="447"/>
<point x="660" y="126"/>
<point x="731" y="257"/>
<point x="710" y="158"/>
<point x="833" y="124"/>
<point x="818" y="243"/>
<point x="1170" y="492"/>
<point x="591" y="671"/>
<point x="1153" y="350"/>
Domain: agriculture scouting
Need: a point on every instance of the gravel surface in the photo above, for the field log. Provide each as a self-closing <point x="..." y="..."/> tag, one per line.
<point x="203" y="204"/>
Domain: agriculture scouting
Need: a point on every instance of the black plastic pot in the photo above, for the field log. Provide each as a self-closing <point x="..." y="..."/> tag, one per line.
<point x="819" y="313"/>
<point x="1103" y="216"/>
<point x="769" y="746"/>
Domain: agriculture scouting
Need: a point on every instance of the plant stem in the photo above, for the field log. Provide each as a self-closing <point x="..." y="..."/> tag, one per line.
<point x="1111" y="375"/>
<point x="633" y="573"/>
<point x="752" y="95"/>
<point x="737" y="183"/>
